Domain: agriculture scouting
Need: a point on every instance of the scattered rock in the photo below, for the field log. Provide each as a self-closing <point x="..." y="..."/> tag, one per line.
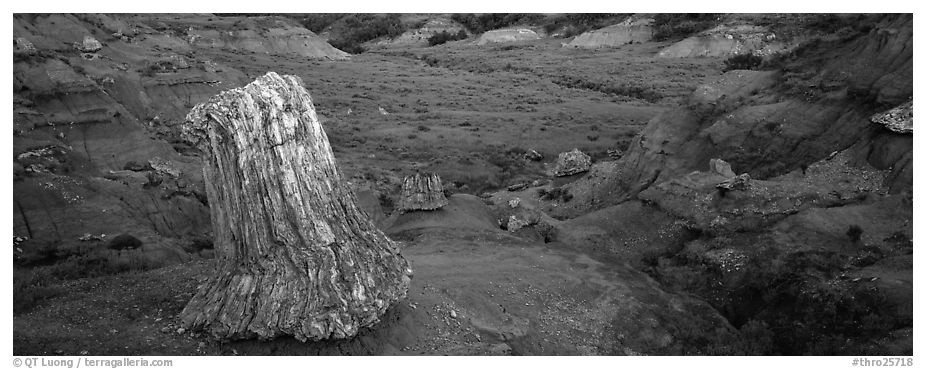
<point x="898" y="119"/>
<point x="533" y="155"/>
<point x="383" y="111"/>
<point x="515" y="224"/>
<point x="23" y="46"/>
<point x="87" y="237"/>
<point x="737" y="183"/>
<point x="572" y="162"/>
<point x="615" y="153"/>
<point x="422" y="192"/>
<point x="513" y="203"/>
<point x="89" y="45"/>
<point x="517" y="187"/>
<point x="164" y="166"/>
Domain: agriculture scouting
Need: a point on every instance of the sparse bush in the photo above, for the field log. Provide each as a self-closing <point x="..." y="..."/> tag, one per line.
<point x="489" y="21"/>
<point x="350" y="31"/>
<point x="668" y="26"/>
<point x="747" y="61"/>
<point x="555" y="194"/>
<point x="386" y="202"/>
<point x="423" y="128"/>
<point x="28" y="292"/>
<point x="124" y="241"/>
<point x="444" y="37"/>
<point x="855" y="233"/>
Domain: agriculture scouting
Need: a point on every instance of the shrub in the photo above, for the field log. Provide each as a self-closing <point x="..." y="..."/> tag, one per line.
<point x="423" y="128"/>
<point x="355" y="29"/>
<point x="29" y="291"/>
<point x="444" y="37"/>
<point x="124" y="241"/>
<point x="855" y="233"/>
<point x="555" y="194"/>
<point x="669" y="26"/>
<point x="742" y="61"/>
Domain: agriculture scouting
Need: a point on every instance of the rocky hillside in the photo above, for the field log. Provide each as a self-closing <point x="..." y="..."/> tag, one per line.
<point x="96" y="102"/>
<point x="798" y="222"/>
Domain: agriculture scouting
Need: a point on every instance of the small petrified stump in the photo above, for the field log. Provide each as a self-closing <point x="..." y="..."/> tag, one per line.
<point x="720" y="167"/>
<point x="422" y="192"/>
<point x="297" y="256"/>
<point x="572" y="162"/>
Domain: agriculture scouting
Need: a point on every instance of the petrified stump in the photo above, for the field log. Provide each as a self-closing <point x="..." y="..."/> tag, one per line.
<point x="297" y="256"/>
<point x="572" y="162"/>
<point x="422" y="192"/>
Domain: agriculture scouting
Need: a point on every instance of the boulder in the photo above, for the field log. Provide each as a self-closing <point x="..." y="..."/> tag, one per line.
<point x="572" y="162"/>
<point x="898" y="119"/>
<point x="422" y="191"/>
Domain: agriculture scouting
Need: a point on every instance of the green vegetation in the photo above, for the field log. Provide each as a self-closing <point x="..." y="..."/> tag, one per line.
<point x="577" y="23"/>
<point x="747" y="61"/>
<point x="444" y="37"/>
<point x="349" y="31"/>
<point x="487" y="22"/>
<point x="673" y="25"/>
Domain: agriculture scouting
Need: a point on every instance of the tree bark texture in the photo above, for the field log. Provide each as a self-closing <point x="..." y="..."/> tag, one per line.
<point x="296" y="255"/>
<point x="422" y="192"/>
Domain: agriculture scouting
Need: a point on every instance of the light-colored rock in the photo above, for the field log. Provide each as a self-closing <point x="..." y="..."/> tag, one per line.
<point x="533" y="155"/>
<point x="513" y="203"/>
<point x="422" y="191"/>
<point x="297" y="256"/>
<point x="572" y="162"/>
<point x="89" y="45"/>
<point x="507" y="35"/>
<point x="24" y="46"/>
<point x="516" y="224"/>
<point x="164" y="166"/>
<point x="898" y="119"/>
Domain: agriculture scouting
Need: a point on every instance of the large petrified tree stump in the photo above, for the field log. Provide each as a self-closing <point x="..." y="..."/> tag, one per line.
<point x="422" y="192"/>
<point x="297" y="256"/>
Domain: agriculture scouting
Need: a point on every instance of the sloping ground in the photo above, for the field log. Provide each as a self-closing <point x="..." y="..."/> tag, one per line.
<point x="98" y="94"/>
<point x="473" y="293"/>
<point x="630" y="30"/>
<point x="507" y="35"/>
<point x="810" y="233"/>
<point x="772" y="122"/>
<point x="275" y="35"/>
<point x="723" y="41"/>
<point x="462" y="212"/>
